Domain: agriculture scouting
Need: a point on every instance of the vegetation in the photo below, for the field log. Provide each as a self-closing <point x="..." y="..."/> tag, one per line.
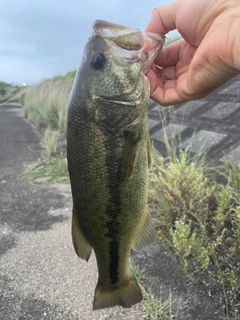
<point x="155" y="310"/>
<point x="198" y="221"/>
<point x="46" y="107"/>
<point x="8" y="91"/>
<point x="49" y="170"/>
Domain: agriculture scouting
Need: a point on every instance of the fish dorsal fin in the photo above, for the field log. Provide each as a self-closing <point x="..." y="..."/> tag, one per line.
<point x="146" y="233"/>
<point x="81" y="246"/>
<point x="128" y="155"/>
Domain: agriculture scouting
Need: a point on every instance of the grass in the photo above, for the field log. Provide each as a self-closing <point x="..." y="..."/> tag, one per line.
<point x="8" y="91"/>
<point x="51" y="141"/>
<point x="46" y="106"/>
<point x="49" y="170"/>
<point x="68" y="77"/>
<point x="155" y="309"/>
<point x="198" y="221"/>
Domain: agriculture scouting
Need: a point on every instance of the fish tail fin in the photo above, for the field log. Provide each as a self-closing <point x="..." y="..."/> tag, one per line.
<point x="125" y="295"/>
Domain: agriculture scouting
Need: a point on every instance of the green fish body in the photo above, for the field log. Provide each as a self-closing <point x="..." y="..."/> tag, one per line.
<point x="108" y="150"/>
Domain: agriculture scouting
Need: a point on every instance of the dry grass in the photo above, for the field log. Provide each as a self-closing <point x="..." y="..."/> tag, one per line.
<point x="46" y="106"/>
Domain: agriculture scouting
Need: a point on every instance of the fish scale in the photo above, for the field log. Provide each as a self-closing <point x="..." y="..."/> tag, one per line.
<point x="108" y="151"/>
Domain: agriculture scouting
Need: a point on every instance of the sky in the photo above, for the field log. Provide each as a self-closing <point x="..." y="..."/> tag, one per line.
<point x="41" y="39"/>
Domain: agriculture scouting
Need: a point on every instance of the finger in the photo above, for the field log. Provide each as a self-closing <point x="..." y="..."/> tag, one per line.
<point x="166" y="94"/>
<point x="172" y="92"/>
<point x="169" y="55"/>
<point x="169" y="73"/>
<point x="163" y="19"/>
<point x="153" y="80"/>
<point x="164" y="74"/>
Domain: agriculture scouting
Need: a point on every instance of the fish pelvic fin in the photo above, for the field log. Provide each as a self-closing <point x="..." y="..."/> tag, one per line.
<point x="146" y="233"/>
<point x="81" y="246"/>
<point x="125" y="295"/>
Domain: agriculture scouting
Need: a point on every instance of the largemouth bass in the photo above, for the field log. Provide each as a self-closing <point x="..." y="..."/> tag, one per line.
<point x="108" y="151"/>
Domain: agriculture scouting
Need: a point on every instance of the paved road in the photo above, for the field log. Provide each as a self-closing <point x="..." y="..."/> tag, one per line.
<point x="40" y="275"/>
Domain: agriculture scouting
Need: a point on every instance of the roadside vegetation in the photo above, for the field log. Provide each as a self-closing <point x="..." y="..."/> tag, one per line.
<point x="8" y="91"/>
<point x="197" y="218"/>
<point x="46" y="107"/>
<point x="198" y="221"/>
<point x="154" y="309"/>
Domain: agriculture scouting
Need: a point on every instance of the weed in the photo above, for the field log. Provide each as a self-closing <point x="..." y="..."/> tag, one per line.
<point x="156" y="310"/>
<point x="50" y="141"/>
<point x="198" y="221"/>
<point x="48" y="171"/>
<point x="46" y="106"/>
<point x="8" y="91"/>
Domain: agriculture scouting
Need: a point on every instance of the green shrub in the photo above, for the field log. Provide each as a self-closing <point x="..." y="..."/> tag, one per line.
<point x="198" y="221"/>
<point x="8" y="92"/>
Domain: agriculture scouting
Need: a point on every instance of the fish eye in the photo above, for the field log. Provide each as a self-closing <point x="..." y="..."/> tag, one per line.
<point x="97" y="61"/>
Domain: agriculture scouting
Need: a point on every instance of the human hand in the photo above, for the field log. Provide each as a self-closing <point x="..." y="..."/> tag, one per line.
<point x="207" y="56"/>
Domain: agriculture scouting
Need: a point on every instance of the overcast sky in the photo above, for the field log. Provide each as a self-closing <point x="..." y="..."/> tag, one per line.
<point x="40" y="39"/>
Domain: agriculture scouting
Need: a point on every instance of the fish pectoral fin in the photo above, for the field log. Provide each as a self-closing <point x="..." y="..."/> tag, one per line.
<point x="125" y="295"/>
<point x="149" y="152"/>
<point x="128" y="155"/>
<point x="146" y="232"/>
<point x="81" y="246"/>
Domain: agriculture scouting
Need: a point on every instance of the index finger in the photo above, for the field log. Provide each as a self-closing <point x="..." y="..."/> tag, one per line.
<point x="162" y="19"/>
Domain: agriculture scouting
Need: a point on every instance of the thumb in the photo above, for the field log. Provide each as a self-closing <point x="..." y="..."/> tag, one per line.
<point x="163" y="19"/>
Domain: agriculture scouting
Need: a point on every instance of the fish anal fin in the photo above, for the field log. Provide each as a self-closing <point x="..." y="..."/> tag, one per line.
<point x="126" y="295"/>
<point x="146" y="233"/>
<point x="81" y="246"/>
<point x="128" y="155"/>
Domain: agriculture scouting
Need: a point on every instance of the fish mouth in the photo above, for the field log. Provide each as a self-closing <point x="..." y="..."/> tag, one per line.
<point x="130" y="45"/>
